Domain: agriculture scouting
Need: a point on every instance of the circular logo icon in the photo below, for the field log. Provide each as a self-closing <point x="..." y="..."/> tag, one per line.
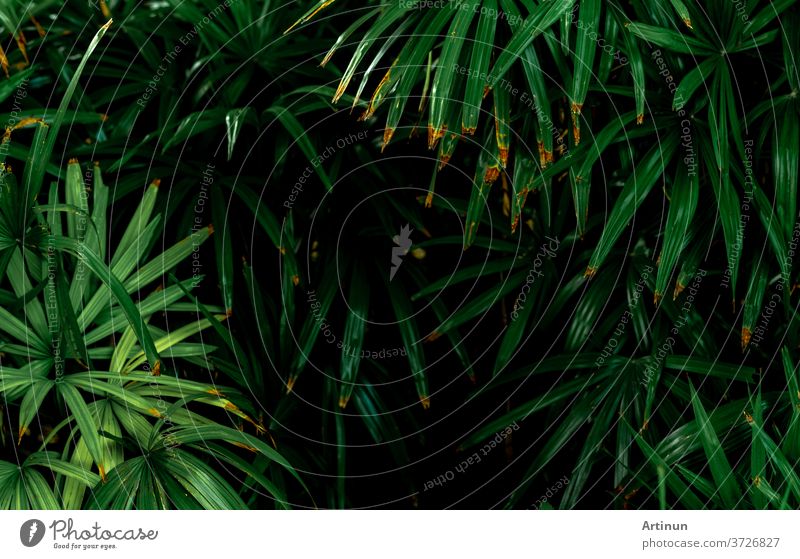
<point x="31" y="533"/>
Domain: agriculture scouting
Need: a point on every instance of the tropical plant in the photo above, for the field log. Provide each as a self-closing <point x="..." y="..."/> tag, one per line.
<point x="124" y="402"/>
<point x="593" y="240"/>
<point x="629" y="98"/>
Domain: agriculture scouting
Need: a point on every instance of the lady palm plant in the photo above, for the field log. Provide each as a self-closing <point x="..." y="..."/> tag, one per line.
<point x="79" y="352"/>
<point x="647" y="101"/>
<point x="624" y="182"/>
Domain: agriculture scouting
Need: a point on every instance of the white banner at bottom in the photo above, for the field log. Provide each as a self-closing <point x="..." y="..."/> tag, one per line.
<point x="390" y="534"/>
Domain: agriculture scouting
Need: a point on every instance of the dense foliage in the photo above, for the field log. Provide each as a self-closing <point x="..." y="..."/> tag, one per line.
<point x="478" y="253"/>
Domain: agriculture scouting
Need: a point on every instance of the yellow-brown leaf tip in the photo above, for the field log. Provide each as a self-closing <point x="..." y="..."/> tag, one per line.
<point x="27" y="122"/>
<point x="387" y="137"/>
<point x="503" y="156"/>
<point x="746" y="335"/>
<point x="107" y="25"/>
<point x="73" y="161"/>
<point x="39" y="29"/>
<point x="210" y="228"/>
<point x="433" y="336"/>
<point x="425" y="401"/>
<point x="157" y="369"/>
<point x="434" y="135"/>
<point x="102" y="471"/>
<point x="290" y="384"/>
<point x="590" y="272"/>
<point x="156" y="183"/>
<point x="343" y="401"/>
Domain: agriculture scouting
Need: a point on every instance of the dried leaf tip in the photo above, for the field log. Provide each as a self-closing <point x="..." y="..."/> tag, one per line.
<point x="340" y="90"/>
<point x="492" y="174"/>
<point x="73" y="161"/>
<point x="157" y="369"/>
<point x="104" y="9"/>
<point x="590" y="272"/>
<point x="343" y="401"/>
<point x="425" y="401"/>
<point x="746" y="335"/>
<point x="290" y="384"/>
<point x="39" y="29"/>
<point x="387" y="137"/>
<point x="107" y="25"/>
<point x="434" y="135"/>
<point x="503" y="157"/>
